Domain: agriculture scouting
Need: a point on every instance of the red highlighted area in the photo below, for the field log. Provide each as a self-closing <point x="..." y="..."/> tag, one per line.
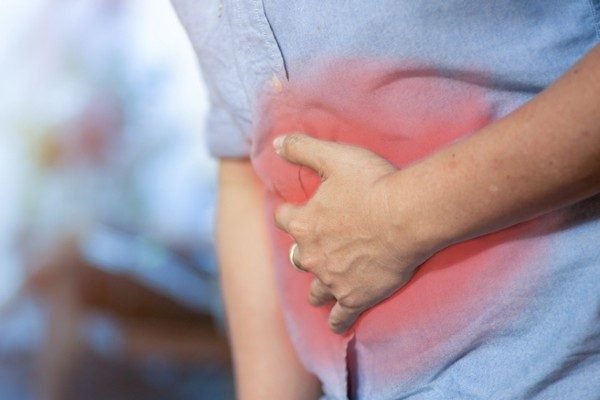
<point x="402" y="114"/>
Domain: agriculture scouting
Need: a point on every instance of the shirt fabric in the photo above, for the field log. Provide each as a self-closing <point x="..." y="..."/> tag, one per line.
<point x="511" y="315"/>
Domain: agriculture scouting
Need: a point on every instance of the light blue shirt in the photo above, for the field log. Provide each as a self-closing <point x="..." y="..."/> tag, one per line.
<point x="512" y="50"/>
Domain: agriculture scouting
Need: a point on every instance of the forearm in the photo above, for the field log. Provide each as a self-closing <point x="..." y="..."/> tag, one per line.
<point x="266" y="365"/>
<point x="543" y="156"/>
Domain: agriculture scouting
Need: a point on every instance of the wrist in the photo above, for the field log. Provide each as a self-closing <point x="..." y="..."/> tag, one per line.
<point x="416" y="215"/>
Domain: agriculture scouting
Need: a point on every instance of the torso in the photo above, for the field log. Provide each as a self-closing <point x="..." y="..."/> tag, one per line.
<point x="509" y="315"/>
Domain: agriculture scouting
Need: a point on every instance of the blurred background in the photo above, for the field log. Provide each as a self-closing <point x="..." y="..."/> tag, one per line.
<point x="108" y="283"/>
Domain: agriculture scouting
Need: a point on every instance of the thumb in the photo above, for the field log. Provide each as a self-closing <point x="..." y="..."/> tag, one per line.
<point x="342" y="318"/>
<point x="302" y="149"/>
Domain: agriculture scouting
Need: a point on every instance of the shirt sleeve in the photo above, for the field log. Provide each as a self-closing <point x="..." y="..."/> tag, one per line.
<point x="228" y="121"/>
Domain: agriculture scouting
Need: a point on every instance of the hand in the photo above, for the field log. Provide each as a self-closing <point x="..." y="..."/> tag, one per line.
<point x="346" y="233"/>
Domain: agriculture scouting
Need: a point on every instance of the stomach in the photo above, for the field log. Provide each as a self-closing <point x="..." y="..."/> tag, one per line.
<point x="404" y="116"/>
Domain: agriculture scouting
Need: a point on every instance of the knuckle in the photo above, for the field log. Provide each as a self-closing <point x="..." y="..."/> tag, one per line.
<point x="319" y="287"/>
<point x="308" y="262"/>
<point x="278" y="217"/>
<point x="281" y="215"/>
<point x="351" y="303"/>
<point x="315" y="298"/>
<point x="279" y="211"/>
<point x="297" y="227"/>
<point x="316" y="286"/>
<point x="327" y="280"/>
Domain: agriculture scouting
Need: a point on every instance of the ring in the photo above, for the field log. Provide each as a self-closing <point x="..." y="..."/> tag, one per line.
<point x="292" y="253"/>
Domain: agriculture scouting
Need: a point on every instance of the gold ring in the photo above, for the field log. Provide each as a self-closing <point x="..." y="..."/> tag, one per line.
<point x="292" y="261"/>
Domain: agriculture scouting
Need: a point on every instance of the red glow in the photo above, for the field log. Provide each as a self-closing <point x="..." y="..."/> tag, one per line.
<point x="402" y="117"/>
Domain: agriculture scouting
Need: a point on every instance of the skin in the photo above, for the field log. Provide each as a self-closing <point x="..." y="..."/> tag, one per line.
<point x="543" y="156"/>
<point x="266" y="366"/>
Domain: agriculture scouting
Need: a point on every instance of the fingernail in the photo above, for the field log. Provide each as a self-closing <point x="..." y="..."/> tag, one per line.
<point x="278" y="144"/>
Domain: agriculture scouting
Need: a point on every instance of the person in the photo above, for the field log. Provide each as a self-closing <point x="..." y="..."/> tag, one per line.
<point x="440" y="205"/>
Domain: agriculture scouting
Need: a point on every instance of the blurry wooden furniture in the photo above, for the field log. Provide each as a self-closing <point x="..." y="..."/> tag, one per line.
<point x="151" y="324"/>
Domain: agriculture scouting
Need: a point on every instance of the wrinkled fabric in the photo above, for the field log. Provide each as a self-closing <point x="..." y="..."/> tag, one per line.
<point x="511" y="315"/>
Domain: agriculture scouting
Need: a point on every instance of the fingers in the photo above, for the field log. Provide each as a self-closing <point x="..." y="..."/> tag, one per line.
<point x="342" y="318"/>
<point x="302" y="149"/>
<point x="285" y="216"/>
<point x="319" y="293"/>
